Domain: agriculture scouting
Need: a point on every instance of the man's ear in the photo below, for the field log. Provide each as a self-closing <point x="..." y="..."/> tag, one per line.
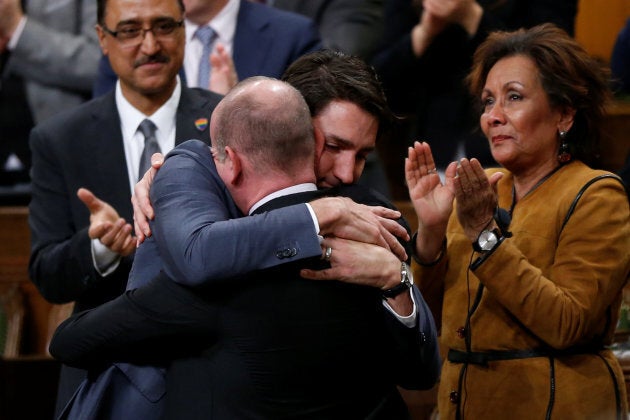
<point x="101" y="38"/>
<point x="234" y="165"/>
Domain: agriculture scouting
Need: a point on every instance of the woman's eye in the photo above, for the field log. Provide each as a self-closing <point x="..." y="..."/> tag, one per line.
<point x="486" y="102"/>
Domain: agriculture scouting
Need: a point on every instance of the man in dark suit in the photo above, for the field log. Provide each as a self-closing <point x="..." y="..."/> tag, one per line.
<point x="260" y="41"/>
<point x="280" y="346"/>
<point x="82" y="248"/>
<point x="341" y="91"/>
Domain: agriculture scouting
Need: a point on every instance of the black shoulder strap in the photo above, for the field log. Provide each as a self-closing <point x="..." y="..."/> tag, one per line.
<point x="581" y="192"/>
<point x="609" y="315"/>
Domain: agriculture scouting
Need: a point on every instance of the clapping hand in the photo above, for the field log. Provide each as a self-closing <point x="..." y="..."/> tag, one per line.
<point x="432" y="200"/>
<point x="106" y="225"/>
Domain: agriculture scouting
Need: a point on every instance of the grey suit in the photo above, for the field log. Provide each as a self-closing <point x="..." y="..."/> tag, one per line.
<point x="84" y="148"/>
<point x="57" y="55"/>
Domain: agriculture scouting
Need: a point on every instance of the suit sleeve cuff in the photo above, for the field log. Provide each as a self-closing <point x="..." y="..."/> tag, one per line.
<point x="314" y="217"/>
<point x="105" y="261"/>
<point x="16" y="34"/>
<point x="408" y="321"/>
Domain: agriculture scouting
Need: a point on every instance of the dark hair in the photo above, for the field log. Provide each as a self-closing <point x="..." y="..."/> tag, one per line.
<point x="101" y="5"/>
<point x="327" y="75"/>
<point x="569" y="75"/>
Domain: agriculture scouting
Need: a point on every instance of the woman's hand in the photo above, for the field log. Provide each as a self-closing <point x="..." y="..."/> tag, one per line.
<point x="432" y="201"/>
<point x="476" y="197"/>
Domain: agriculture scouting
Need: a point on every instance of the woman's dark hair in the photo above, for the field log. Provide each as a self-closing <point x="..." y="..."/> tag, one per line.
<point x="569" y="75"/>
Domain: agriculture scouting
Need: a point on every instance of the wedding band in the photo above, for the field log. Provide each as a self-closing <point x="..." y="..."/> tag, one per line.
<point x="328" y="253"/>
<point x="432" y="171"/>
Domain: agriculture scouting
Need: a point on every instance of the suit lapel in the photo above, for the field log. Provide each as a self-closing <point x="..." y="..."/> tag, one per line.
<point x="193" y="116"/>
<point x="111" y="169"/>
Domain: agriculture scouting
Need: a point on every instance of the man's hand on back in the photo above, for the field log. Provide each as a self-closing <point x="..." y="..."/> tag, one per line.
<point x="343" y="218"/>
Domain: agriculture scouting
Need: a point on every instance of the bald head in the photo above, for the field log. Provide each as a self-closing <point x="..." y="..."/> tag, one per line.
<point x="267" y="121"/>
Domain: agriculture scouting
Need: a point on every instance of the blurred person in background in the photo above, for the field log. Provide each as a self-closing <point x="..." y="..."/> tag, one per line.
<point x="426" y="53"/>
<point x="48" y="60"/>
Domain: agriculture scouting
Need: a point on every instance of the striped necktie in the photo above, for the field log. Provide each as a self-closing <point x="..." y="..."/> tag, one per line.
<point x="207" y="36"/>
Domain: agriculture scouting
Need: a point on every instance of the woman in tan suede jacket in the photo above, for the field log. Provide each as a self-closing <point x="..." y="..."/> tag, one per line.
<point x="527" y="271"/>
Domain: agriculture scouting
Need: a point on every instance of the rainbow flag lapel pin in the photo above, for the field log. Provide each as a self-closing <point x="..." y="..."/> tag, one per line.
<point x="201" y="123"/>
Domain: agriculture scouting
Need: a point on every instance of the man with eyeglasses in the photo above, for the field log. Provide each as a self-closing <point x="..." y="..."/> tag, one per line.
<point x="82" y="246"/>
<point x="240" y="38"/>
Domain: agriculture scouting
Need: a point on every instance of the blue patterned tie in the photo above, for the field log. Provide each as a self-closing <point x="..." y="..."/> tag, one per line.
<point x="147" y="128"/>
<point x="207" y="36"/>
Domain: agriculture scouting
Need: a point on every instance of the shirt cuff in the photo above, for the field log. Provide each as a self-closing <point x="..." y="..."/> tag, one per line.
<point x="314" y="217"/>
<point x="16" y="34"/>
<point x="105" y="261"/>
<point x="408" y="321"/>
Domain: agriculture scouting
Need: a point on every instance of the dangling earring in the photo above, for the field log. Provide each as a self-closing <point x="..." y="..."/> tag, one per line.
<point x="564" y="155"/>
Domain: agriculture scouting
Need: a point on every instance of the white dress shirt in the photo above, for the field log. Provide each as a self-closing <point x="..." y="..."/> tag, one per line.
<point x="224" y="25"/>
<point x="106" y="261"/>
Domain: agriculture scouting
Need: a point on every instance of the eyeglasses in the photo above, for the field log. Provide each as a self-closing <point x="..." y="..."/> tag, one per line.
<point x="132" y="34"/>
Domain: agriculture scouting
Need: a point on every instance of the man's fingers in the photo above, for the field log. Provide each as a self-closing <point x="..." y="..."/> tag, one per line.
<point x="140" y="223"/>
<point x="395" y="228"/>
<point x="98" y="230"/>
<point x="385" y="212"/>
<point x="119" y="238"/>
<point x="89" y="199"/>
<point x="326" y="274"/>
<point x="141" y="194"/>
<point x="109" y="236"/>
<point x="137" y="224"/>
<point x="126" y="245"/>
<point x="142" y="208"/>
<point x="394" y="245"/>
<point x="157" y="159"/>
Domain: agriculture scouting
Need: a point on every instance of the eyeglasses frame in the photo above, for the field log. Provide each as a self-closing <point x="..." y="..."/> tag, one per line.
<point x="143" y="32"/>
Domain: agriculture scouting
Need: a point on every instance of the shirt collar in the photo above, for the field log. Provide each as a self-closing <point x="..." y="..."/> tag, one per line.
<point x="224" y="23"/>
<point x="130" y="117"/>
<point x="285" y="191"/>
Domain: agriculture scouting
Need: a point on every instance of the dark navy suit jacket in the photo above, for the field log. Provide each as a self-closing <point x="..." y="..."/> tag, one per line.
<point x="266" y="41"/>
<point x="79" y="342"/>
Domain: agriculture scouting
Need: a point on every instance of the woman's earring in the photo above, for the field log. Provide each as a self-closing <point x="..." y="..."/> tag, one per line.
<point x="564" y="155"/>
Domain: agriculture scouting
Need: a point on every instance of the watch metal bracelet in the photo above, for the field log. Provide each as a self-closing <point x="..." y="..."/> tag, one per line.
<point x="475" y="264"/>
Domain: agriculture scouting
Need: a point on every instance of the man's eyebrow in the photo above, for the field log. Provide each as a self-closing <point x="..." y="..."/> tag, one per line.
<point x="347" y="144"/>
<point x="136" y="21"/>
<point x="128" y="22"/>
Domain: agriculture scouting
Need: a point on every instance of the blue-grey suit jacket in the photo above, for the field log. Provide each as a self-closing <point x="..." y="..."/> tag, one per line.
<point x="84" y="148"/>
<point x="199" y="244"/>
<point x="266" y="41"/>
